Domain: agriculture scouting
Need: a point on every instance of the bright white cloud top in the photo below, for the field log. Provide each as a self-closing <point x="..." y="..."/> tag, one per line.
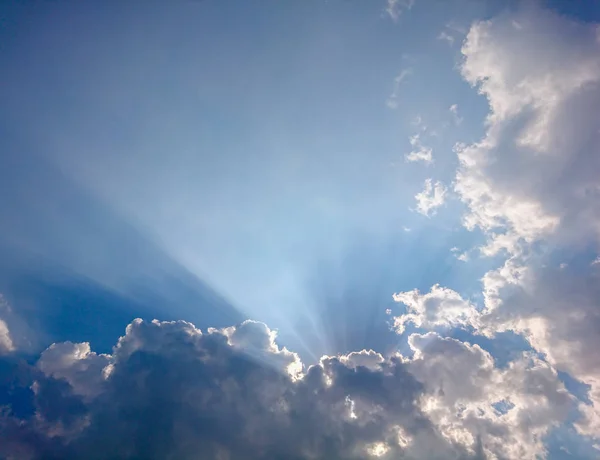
<point x="526" y="193"/>
<point x="431" y="198"/>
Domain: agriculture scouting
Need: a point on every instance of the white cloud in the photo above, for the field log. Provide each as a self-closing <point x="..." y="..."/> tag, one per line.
<point x="256" y="339"/>
<point x="534" y="170"/>
<point x="456" y="117"/>
<point x="6" y="343"/>
<point x="445" y="36"/>
<point x="431" y="198"/>
<point x="170" y="391"/>
<point x="441" y="307"/>
<point x="366" y="358"/>
<point x="463" y="385"/>
<point x="395" y="8"/>
<point x="463" y="257"/>
<point x="392" y="101"/>
<point x="557" y="311"/>
<point x="419" y="152"/>
<point x="77" y="364"/>
<point x="451" y="33"/>
<point x="535" y="178"/>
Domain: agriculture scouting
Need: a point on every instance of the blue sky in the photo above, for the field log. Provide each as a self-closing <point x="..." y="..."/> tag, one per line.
<point x="253" y="144"/>
<point x="215" y="162"/>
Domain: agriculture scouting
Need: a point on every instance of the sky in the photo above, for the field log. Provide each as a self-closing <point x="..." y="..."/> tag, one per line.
<point x="330" y="229"/>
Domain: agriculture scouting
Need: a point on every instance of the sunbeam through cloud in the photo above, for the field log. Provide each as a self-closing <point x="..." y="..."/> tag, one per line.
<point x="324" y="230"/>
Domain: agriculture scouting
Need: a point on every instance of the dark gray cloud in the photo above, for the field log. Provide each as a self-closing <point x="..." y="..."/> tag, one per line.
<point x="170" y="391"/>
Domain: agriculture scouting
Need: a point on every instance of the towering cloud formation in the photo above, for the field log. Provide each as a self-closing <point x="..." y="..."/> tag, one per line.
<point x="170" y="391"/>
<point x="532" y="184"/>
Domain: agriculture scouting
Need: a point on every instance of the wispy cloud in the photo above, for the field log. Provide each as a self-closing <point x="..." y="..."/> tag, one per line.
<point x="419" y="151"/>
<point x="454" y="111"/>
<point x="462" y="256"/>
<point x="451" y="32"/>
<point x="446" y="37"/>
<point x="395" y="8"/>
<point x="392" y="101"/>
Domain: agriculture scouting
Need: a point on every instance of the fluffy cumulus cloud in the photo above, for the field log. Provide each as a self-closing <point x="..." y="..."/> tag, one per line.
<point x="77" y="364"/>
<point x="441" y="307"/>
<point x="431" y="197"/>
<point x="535" y="172"/>
<point x="558" y="311"/>
<point x="506" y="411"/>
<point x="532" y="185"/>
<point x="535" y="178"/>
<point x="170" y="391"/>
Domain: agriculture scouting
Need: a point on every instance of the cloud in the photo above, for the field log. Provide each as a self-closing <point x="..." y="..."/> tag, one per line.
<point x="454" y="111"/>
<point x="441" y="307"/>
<point x="565" y="329"/>
<point x="463" y="388"/>
<point x="395" y="8"/>
<point x="450" y="32"/>
<point x="445" y="36"/>
<point x="6" y="343"/>
<point x="462" y="256"/>
<point x="532" y="185"/>
<point x="419" y="152"/>
<point x="431" y="198"/>
<point x="392" y="101"/>
<point x="77" y="364"/>
<point x="535" y="169"/>
<point x="535" y="177"/>
<point x="170" y="391"/>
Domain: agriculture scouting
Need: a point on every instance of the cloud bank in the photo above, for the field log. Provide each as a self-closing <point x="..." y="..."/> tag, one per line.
<point x="532" y="186"/>
<point x="170" y="391"/>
